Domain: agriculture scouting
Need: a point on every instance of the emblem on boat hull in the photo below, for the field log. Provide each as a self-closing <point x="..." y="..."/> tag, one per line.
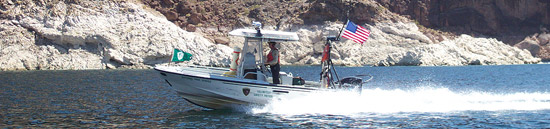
<point x="246" y="91"/>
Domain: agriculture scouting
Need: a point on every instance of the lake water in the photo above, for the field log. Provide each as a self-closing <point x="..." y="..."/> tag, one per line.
<point x="511" y="96"/>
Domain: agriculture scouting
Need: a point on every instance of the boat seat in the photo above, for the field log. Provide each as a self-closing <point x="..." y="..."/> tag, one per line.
<point x="250" y="75"/>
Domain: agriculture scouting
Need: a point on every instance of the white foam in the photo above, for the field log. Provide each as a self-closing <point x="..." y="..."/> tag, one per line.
<point x="393" y="101"/>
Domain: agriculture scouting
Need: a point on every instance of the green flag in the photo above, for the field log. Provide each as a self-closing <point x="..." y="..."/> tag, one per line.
<point x="181" y="56"/>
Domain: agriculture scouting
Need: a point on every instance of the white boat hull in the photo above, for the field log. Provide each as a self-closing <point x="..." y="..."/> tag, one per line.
<point x="219" y="92"/>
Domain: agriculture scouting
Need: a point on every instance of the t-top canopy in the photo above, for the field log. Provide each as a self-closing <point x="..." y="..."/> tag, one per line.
<point x="266" y="34"/>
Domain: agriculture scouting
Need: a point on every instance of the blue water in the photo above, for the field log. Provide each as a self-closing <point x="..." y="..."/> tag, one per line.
<point x="510" y="96"/>
<point x="494" y="79"/>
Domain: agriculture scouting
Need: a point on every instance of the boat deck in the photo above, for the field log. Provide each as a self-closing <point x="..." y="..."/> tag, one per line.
<point x="219" y="72"/>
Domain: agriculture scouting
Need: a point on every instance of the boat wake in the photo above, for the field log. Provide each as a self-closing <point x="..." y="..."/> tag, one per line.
<point x="422" y="99"/>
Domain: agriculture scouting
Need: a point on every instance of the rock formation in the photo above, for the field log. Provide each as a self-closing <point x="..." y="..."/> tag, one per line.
<point x="408" y="46"/>
<point x="507" y="20"/>
<point x="95" y="35"/>
<point x="216" y="18"/>
<point x="464" y="50"/>
<point x="42" y="34"/>
<point x="537" y="44"/>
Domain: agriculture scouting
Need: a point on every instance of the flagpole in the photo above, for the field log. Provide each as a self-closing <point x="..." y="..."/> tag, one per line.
<point x="170" y="61"/>
<point x="343" y="26"/>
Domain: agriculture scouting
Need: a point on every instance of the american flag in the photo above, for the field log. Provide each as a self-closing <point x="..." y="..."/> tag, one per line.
<point x="356" y="33"/>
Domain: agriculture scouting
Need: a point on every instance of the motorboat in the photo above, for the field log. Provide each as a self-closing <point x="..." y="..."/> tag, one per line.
<point x="247" y="81"/>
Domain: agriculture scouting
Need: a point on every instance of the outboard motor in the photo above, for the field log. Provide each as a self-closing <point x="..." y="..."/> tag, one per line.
<point x="351" y="83"/>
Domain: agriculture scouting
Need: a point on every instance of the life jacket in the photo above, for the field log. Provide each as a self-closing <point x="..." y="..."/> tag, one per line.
<point x="270" y="56"/>
<point x="325" y="53"/>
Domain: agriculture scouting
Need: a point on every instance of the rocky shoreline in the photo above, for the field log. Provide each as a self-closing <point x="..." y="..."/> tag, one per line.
<point x="393" y="44"/>
<point x="39" y="35"/>
<point x="96" y="35"/>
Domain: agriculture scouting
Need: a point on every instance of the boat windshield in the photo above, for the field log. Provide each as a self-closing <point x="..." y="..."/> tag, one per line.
<point x="253" y="47"/>
<point x="251" y="56"/>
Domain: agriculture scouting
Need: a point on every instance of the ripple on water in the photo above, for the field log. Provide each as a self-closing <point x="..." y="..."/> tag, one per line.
<point x="140" y="99"/>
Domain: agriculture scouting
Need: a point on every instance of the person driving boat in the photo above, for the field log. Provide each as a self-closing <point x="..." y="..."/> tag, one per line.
<point x="273" y="62"/>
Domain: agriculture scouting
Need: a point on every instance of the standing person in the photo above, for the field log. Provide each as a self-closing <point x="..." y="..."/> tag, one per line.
<point x="273" y="62"/>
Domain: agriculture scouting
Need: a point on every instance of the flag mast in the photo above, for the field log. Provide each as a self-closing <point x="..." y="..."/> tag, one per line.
<point x="343" y="26"/>
<point x="327" y="67"/>
<point x="328" y="71"/>
<point x="170" y="62"/>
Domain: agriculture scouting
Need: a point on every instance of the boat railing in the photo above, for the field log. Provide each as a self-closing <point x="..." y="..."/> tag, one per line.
<point x="205" y="69"/>
<point x="211" y="68"/>
<point x="216" y="71"/>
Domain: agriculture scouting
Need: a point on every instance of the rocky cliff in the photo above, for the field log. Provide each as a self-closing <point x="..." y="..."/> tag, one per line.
<point x="511" y="21"/>
<point x="284" y="14"/>
<point x="94" y="35"/>
<point x="401" y="44"/>
<point x="44" y="34"/>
